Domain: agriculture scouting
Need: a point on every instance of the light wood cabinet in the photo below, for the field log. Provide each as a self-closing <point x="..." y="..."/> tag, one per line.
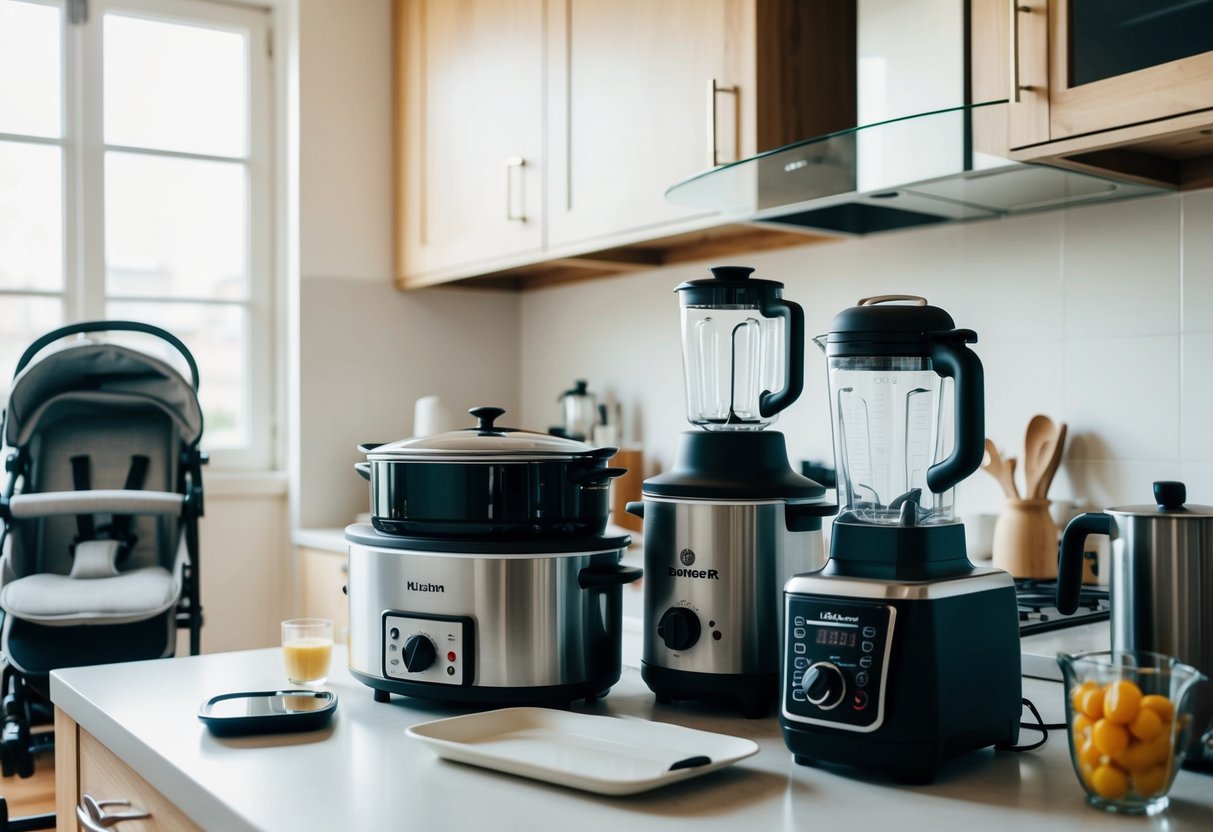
<point x="322" y="580"/>
<point x="1116" y="87"/>
<point x="619" y="99"/>
<point x="83" y="766"/>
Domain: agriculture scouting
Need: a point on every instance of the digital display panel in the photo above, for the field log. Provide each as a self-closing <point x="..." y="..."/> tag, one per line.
<point x="836" y="637"/>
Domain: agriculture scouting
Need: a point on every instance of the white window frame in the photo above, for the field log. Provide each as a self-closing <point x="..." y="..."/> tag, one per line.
<point x="83" y="175"/>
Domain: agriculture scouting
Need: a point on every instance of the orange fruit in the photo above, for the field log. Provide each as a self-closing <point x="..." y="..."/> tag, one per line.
<point x="1109" y="782"/>
<point x="1147" y="725"/>
<point x="1092" y="703"/>
<point x="1079" y="690"/>
<point x="1082" y="726"/>
<point x="1150" y="781"/>
<point x="1089" y="753"/>
<point x="1160" y="749"/>
<point x="1137" y="757"/>
<point x="1109" y="737"/>
<point x="1160" y="705"/>
<point x="1121" y="702"/>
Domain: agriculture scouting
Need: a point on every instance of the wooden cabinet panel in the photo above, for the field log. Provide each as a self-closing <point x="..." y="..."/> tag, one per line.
<point x="322" y="575"/>
<point x="470" y="131"/>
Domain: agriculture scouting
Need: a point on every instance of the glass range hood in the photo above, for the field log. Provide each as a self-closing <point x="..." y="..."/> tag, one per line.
<point x="899" y="173"/>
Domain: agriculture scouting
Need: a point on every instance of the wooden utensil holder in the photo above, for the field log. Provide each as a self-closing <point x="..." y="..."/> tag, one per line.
<point x="1025" y="540"/>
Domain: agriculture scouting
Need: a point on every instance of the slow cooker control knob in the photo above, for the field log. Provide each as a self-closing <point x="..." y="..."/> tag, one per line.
<point x="419" y="653"/>
<point x="824" y="685"/>
<point x="679" y="628"/>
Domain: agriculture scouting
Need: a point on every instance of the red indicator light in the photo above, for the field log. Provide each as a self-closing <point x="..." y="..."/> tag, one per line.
<point x="450" y="657"/>
<point x="716" y="635"/>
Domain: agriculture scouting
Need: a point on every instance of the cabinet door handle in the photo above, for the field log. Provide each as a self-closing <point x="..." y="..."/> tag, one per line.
<point x="93" y="817"/>
<point x="715" y="89"/>
<point x="1017" y="9"/>
<point x="514" y="163"/>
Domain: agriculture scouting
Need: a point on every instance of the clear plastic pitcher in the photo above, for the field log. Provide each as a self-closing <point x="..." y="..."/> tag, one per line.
<point x="906" y="396"/>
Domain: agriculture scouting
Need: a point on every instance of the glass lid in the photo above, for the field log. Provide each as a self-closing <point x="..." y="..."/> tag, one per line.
<point x="484" y="442"/>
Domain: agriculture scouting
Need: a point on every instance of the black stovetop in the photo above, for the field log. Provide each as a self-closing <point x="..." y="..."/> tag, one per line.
<point x="1038" y="606"/>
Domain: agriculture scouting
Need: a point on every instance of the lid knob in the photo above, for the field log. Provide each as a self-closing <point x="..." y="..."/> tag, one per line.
<point x="731" y="272"/>
<point x="485" y="416"/>
<point x="1170" y="495"/>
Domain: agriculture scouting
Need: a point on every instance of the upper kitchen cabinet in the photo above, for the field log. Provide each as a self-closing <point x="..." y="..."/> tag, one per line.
<point x="643" y="94"/>
<point x="537" y="138"/>
<point x="1113" y="85"/>
<point x="470" y="134"/>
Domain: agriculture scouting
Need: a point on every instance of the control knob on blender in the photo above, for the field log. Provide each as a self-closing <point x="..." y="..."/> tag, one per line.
<point x="679" y="628"/>
<point x="419" y="653"/>
<point x="824" y="685"/>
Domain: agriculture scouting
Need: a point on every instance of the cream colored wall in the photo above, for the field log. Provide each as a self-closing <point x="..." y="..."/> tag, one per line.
<point x="1099" y="316"/>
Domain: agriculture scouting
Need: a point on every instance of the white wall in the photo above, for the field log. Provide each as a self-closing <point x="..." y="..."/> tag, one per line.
<point x="1099" y="316"/>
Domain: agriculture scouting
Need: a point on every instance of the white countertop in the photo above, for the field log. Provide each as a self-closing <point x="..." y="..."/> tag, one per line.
<point x="364" y="773"/>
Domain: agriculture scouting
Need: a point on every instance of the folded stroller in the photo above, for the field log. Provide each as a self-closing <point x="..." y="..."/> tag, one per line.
<point x="99" y="534"/>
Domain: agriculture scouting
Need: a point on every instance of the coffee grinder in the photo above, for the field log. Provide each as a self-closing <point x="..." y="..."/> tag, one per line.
<point x="731" y="521"/>
<point x="900" y="653"/>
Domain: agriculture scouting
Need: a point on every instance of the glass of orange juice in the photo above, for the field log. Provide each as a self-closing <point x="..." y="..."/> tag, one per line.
<point x="307" y="647"/>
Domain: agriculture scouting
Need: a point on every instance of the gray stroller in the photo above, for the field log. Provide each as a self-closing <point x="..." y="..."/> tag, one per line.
<point x="99" y="517"/>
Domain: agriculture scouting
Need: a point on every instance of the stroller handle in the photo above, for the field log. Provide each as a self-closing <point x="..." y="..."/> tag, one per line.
<point x="110" y="326"/>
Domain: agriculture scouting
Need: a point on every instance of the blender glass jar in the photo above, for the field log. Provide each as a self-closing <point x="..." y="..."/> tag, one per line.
<point x="740" y="342"/>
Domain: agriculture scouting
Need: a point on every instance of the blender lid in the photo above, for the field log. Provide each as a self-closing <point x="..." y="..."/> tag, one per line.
<point x="876" y="326"/>
<point x="1170" y="500"/>
<point x="484" y="443"/>
<point x="729" y="286"/>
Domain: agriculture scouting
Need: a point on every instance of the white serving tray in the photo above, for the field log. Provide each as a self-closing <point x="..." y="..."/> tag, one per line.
<point x="600" y="754"/>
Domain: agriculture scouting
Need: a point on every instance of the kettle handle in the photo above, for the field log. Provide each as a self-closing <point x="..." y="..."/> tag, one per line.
<point x="1069" y="563"/>
<point x="952" y="359"/>
<point x="793" y="357"/>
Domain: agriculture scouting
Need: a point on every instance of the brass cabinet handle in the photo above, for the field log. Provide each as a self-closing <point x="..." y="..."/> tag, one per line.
<point x="514" y="163"/>
<point x="1016" y="10"/>
<point x="93" y="817"/>
<point x="715" y="89"/>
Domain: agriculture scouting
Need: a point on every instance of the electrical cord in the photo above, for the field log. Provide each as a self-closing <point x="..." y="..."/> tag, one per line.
<point x="1040" y="725"/>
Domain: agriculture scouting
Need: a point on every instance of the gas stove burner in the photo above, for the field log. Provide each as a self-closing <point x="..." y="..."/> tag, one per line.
<point x="1037" y="600"/>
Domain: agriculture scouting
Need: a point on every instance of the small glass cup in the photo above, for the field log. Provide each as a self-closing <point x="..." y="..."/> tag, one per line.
<point x="307" y="647"/>
<point x="1130" y="720"/>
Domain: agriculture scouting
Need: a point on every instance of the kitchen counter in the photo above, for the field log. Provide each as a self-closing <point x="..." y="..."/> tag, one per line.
<point x="364" y="773"/>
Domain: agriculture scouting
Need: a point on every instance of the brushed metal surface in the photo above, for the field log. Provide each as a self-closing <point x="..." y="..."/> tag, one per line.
<point x="1161" y="586"/>
<point x="740" y="555"/>
<point x="534" y="625"/>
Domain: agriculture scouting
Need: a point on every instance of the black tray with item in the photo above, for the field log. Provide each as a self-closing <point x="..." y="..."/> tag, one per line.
<point x="267" y="712"/>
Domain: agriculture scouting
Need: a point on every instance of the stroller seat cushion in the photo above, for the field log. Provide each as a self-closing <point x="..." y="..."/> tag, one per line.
<point x="62" y="600"/>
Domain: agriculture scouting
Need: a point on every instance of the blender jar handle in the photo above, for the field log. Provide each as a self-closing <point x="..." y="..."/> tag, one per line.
<point x="793" y="357"/>
<point x="952" y="359"/>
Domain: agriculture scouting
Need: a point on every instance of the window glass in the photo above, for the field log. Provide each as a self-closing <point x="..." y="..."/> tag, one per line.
<point x="175" y="228"/>
<point x="175" y="87"/>
<point x="30" y="58"/>
<point x="23" y="320"/>
<point x="31" y="216"/>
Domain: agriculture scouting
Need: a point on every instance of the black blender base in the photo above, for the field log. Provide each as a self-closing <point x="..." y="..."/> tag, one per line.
<point x="909" y="763"/>
<point x="751" y="693"/>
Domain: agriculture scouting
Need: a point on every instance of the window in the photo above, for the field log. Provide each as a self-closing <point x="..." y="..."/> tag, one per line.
<point x="135" y="183"/>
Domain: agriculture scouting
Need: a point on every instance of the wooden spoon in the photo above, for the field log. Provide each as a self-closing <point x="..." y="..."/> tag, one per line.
<point x="1009" y="465"/>
<point x="993" y="465"/>
<point x="1037" y="450"/>
<point x="1055" y="449"/>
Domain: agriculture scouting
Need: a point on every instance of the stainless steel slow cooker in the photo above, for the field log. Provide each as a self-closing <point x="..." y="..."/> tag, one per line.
<point x="534" y="621"/>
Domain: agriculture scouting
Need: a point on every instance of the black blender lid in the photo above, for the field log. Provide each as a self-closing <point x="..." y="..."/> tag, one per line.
<point x="733" y="465"/>
<point x="729" y="286"/>
<point x="880" y="325"/>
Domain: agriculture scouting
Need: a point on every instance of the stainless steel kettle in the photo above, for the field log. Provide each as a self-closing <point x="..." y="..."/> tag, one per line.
<point x="1161" y="583"/>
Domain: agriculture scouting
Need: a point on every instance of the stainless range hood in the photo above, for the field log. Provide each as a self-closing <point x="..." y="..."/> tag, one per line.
<point x="916" y="170"/>
<point x="918" y="158"/>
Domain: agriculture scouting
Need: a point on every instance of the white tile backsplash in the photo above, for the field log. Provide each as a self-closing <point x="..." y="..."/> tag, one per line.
<point x="1120" y="266"/>
<point x="1198" y="261"/>
<point x="1122" y="398"/>
<point x="1078" y="315"/>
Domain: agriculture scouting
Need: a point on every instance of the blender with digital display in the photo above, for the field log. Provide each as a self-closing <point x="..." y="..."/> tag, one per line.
<point x="900" y="653"/>
<point x="731" y="521"/>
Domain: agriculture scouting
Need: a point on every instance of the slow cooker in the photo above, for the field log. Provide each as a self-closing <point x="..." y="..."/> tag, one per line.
<point x="485" y="575"/>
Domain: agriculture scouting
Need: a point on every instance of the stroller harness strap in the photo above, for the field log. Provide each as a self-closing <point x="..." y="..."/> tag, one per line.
<point x="119" y="528"/>
<point x="80" y="481"/>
